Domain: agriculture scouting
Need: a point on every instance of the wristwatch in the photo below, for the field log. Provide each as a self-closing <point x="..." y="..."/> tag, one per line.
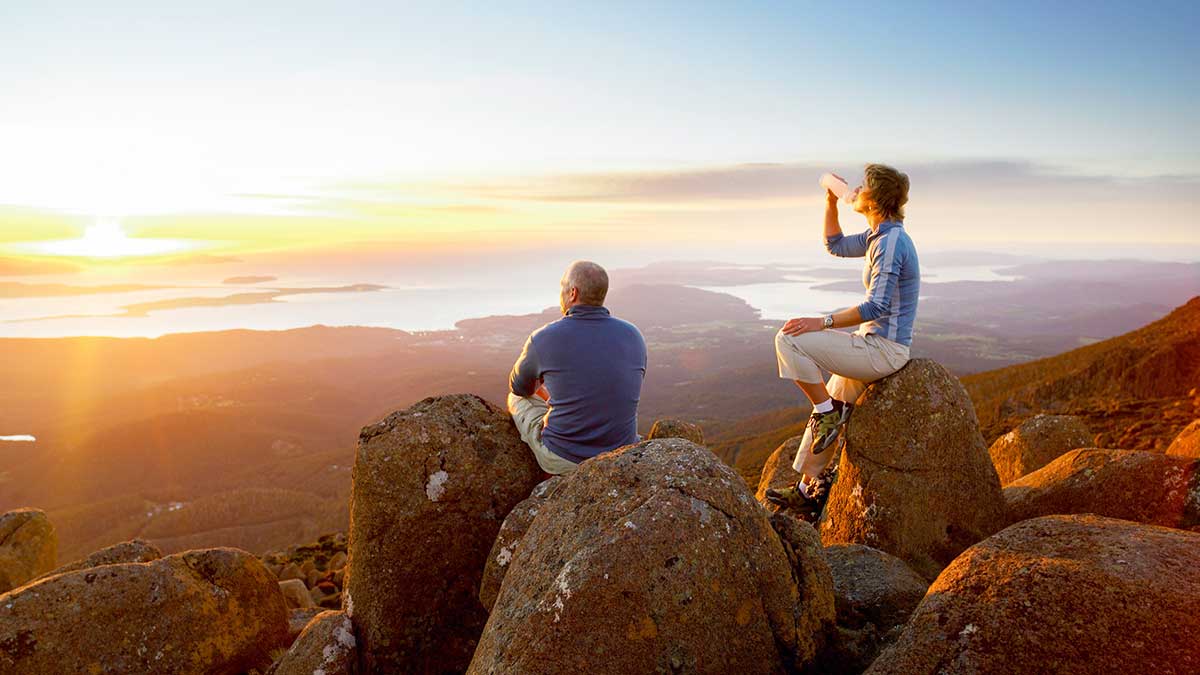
<point x="828" y="322"/>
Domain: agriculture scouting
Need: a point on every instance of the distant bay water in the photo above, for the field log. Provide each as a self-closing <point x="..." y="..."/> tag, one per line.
<point x="801" y="295"/>
<point x="402" y="305"/>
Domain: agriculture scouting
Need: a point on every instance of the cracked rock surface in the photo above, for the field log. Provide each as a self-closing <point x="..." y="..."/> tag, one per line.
<point x="508" y="541"/>
<point x="432" y="484"/>
<point x="653" y="558"/>
<point x="915" y="479"/>
<point x="213" y="611"/>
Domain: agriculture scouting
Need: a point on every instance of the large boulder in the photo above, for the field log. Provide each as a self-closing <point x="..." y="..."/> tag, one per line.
<point x="778" y="472"/>
<point x="325" y="647"/>
<point x="214" y="611"/>
<point x="1187" y="443"/>
<point x="673" y="428"/>
<point x="651" y="558"/>
<point x="28" y="547"/>
<point x="1147" y="487"/>
<point x="1060" y="594"/>
<point x="875" y="593"/>
<point x="915" y="479"/>
<point x="432" y="484"/>
<point x="1037" y="442"/>
<point x="136" y="550"/>
<point x="508" y="540"/>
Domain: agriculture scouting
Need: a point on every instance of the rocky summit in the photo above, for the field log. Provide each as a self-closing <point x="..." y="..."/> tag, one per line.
<point x="28" y="547"/>
<point x="915" y="479"/>
<point x="432" y="484"/>
<point x="212" y="611"/>
<point x="652" y="558"/>
<point x="1061" y="594"/>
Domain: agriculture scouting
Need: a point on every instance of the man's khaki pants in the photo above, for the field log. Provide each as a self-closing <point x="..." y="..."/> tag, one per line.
<point x="529" y="414"/>
<point x="855" y="361"/>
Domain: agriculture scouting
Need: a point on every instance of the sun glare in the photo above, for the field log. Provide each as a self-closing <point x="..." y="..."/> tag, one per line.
<point x="106" y="239"/>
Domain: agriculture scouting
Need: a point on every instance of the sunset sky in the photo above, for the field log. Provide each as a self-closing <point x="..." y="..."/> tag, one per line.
<point x="234" y="127"/>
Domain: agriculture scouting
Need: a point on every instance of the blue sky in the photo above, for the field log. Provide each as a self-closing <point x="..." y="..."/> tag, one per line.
<point x="132" y="109"/>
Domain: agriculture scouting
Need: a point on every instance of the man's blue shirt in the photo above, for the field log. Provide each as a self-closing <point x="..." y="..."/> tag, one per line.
<point x="593" y="365"/>
<point x="892" y="276"/>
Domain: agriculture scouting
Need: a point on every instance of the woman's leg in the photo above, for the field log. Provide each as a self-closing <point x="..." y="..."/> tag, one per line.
<point x="801" y="357"/>
<point x="853" y="359"/>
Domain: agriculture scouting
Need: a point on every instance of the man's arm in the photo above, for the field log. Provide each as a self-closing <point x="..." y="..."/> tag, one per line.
<point x="525" y="378"/>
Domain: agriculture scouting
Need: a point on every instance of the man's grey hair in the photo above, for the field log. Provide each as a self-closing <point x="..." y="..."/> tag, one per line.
<point x="590" y="279"/>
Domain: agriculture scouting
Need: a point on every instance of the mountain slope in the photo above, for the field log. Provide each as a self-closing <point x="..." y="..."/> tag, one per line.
<point x="1135" y="390"/>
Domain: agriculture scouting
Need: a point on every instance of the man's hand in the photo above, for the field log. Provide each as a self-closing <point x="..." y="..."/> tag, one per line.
<point x="803" y="325"/>
<point x="542" y="393"/>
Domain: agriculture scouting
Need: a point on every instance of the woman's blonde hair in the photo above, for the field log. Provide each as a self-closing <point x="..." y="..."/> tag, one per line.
<point x="888" y="190"/>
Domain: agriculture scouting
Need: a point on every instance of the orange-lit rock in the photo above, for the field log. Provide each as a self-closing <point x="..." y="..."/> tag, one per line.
<point x="652" y="558"/>
<point x="1061" y="594"/>
<point x="432" y="484"/>
<point x="214" y="611"/>
<point x="1036" y="443"/>
<point x="1187" y="443"/>
<point x="1147" y="487"/>
<point x="28" y="547"/>
<point x="915" y="479"/>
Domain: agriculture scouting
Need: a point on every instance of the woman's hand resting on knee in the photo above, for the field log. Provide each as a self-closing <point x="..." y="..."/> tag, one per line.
<point x="803" y="325"/>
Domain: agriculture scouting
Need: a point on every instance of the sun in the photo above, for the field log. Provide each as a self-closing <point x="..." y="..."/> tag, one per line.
<point x="106" y="239"/>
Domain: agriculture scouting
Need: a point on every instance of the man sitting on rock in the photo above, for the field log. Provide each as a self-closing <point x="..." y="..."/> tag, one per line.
<point x="574" y="390"/>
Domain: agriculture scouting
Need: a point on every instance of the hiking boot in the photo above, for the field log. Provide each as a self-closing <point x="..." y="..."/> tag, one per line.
<point x="827" y="427"/>
<point x="793" y="497"/>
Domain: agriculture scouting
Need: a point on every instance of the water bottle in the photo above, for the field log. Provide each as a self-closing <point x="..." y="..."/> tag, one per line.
<point x="838" y="187"/>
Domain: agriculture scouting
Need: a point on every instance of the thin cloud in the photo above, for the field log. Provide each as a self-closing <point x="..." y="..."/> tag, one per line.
<point x="18" y="267"/>
<point x="774" y="181"/>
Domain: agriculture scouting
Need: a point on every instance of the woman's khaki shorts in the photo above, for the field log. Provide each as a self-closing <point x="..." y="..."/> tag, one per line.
<point x="855" y="361"/>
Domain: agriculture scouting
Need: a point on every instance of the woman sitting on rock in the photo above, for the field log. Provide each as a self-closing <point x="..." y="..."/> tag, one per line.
<point x="880" y="345"/>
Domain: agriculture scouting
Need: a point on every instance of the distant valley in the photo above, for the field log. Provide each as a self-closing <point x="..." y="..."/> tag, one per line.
<point x="247" y="438"/>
